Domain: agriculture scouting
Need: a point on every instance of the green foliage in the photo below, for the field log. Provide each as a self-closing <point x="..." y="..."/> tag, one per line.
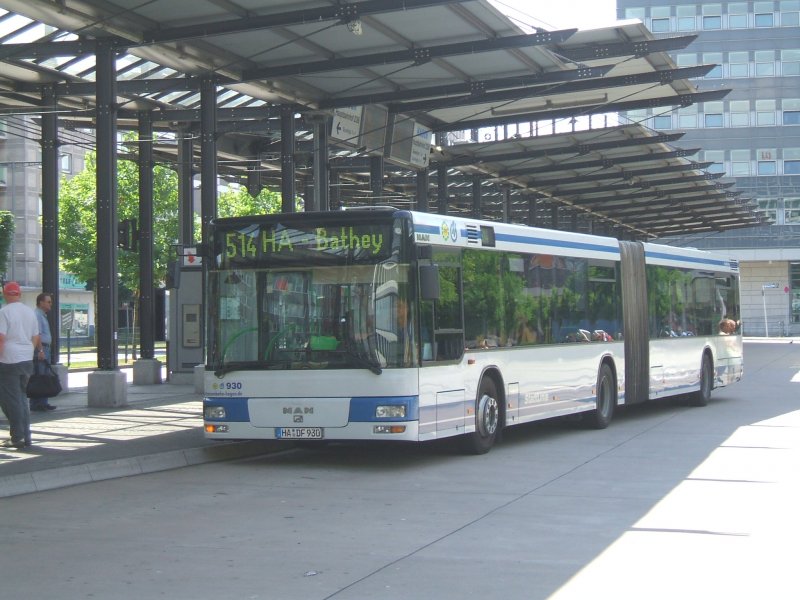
<point x="78" y="220"/>
<point x="6" y="237"/>
<point x="78" y="217"/>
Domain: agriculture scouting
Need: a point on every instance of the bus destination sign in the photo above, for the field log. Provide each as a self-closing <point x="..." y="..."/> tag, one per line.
<point x="363" y="241"/>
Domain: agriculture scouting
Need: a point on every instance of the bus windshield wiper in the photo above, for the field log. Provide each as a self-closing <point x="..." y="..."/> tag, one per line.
<point x="363" y="360"/>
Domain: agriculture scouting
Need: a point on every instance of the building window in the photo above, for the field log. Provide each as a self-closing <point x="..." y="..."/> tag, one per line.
<point x="790" y="62"/>
<point x="765" y="63"/>
<point x="65" y="163"/>
<point x="713" y="58"/>
<point x="712" y="114"/>
<point x="635" y="13"/>
<point x="765" y="113"/>
<point x="764" y="14"/>
<point x="687" y="118"/>
<point x="769" y="207"/>
<point x="791" y="117"/>
<point x="737" y="15"/>
<point x="739" y="113"/>
<point x="740" y="163"/>
<point x="791" y="161"/>
<point x="718" y="158"/>
<point x="767" y="163"/>
<point x="662" y="122"/>
<point x="790" y="13"/>
<point x="3" y="176"/>
<point x="737" y="64"/>
<point x="686" y="18"/>
<point x="791" y="210"/>
<point x="659" y="25"/>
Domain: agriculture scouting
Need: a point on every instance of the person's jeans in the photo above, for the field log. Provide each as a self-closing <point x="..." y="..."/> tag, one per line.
<point x="14" y="400"/>
<point x="41" y="367"/>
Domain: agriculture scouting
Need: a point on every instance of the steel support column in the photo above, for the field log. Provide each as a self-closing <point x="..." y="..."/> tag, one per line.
<point x="288" y="190"/>
<point x="321" y="167"/>
<point x="107" y="306"/>
<point x="533" y="203"/>
<point x="441" y="183"/>
<point x="146" y="276"/>
<point x="208" y="153"/>
<point x="376" y="175"/>
<point x="477" y="209"/>
<point x="506" y="204"/>
<point x="185" y="187"/>
<point x="554" y="224"/>
<point x="423" y="181"/>
<point x="50" y="174"/>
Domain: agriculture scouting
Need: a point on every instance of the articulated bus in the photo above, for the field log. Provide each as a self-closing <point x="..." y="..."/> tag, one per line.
<point x="387" y="324"/>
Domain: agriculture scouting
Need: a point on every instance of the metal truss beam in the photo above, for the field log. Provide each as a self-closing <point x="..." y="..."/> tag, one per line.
<point x="584" y="85"/>
<point x="627" y="175"/>
<point x="641" y="48"/>
<point x="475" y="88"/>
<point x="340" y="12"/>
<point x="605" y="163"/>
<point x="577" y="149"/>
<point x="643" y="185"/>
<point x="418" y="56"/>
<point x="682" y="100"/>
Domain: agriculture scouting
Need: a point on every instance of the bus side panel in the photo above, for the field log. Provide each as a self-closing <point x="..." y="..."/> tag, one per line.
<point x="538" y="383"/>
<point x="675" y="365"/>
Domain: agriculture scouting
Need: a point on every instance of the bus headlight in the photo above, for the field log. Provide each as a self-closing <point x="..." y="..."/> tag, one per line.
<point x="214" y="413"/>
<point x="391" y="411"/>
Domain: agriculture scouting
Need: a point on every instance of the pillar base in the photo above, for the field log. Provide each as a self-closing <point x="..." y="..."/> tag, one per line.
<point x="107" y="389"/>
<point x="146" y="371"/>
<point x="199" y="379"/>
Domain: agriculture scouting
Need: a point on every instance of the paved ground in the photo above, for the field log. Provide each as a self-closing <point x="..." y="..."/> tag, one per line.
<point x="160" y="429"/>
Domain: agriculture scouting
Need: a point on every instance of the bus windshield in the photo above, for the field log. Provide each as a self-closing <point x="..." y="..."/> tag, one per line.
<point x="309" y="297"/>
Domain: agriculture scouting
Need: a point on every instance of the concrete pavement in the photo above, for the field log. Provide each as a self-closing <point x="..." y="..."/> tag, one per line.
<point x="160" y="429"/>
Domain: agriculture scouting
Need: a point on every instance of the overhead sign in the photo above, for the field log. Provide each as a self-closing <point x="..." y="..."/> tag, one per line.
<point x="421" y="146"/>
<point x="346" y="125"/>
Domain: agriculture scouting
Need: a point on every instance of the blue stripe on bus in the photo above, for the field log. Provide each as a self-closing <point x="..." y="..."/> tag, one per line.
<point x="691" y="259"/>
<point x="362" y="408"/>
<point x="235" y="408"/>
<point x="524" y="239"/>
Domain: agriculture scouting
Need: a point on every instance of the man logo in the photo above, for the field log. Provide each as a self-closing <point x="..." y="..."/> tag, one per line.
<point x="298" y="418"/>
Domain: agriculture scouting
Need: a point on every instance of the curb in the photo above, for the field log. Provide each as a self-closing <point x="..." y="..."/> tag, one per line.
<point x="61" y="477"/>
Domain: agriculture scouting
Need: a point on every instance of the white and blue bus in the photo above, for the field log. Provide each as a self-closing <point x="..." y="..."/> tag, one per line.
<point x="386" y="324"/>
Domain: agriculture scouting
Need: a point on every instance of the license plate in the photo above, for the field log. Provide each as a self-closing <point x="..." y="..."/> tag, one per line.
<point x="299" y="433"/>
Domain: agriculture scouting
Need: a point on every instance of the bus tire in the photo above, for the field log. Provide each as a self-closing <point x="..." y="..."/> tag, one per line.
<point x="702" y="396"/>
<point x="606" y="392"/>
<point x="487" y="420"/>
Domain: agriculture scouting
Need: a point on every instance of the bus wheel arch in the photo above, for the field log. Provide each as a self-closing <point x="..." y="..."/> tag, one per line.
<point x="702" y="396"/>
<point x="489" y="414"/>
<point x="606" y="396"/>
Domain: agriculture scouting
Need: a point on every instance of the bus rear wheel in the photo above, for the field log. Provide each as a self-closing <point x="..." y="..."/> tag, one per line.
<point x="487" y="420"/>
<point x="606" y="398"/>
<point x="702" y="396"/>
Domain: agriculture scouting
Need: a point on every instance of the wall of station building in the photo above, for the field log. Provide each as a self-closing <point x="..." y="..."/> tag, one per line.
<point x="770" y="303"/>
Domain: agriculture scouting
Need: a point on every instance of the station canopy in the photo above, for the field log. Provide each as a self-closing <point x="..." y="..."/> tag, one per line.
<point x="526" y="120"/>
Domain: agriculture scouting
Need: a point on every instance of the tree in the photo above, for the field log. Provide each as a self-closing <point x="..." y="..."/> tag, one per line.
<point x="78" y="220"/>
<point x="6" y="237"/>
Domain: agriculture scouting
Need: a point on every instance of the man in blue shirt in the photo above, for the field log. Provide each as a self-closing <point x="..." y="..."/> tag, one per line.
<point x="44" y="302"/>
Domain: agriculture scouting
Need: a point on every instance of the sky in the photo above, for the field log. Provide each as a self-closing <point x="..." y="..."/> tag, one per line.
<point x="560" y="14"/>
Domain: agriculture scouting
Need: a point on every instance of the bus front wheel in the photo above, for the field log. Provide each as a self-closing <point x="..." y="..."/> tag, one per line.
<point x="703" y="395"/>
<point x="487" y="420"/>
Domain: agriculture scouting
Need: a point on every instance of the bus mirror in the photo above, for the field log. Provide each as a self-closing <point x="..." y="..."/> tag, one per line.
<point x="429" y="282"/>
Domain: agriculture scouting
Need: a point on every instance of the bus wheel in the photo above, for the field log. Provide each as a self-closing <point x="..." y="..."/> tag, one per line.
<point x="601" y="416"/>
<point x="703" y="395"/>
<point x="487" y="420"/>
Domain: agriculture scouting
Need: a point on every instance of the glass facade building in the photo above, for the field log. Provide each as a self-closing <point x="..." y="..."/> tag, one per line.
<point x="752" y="135"/>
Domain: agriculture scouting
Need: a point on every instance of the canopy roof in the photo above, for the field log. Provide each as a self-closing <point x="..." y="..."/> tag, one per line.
<point x="440" y="66"/>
